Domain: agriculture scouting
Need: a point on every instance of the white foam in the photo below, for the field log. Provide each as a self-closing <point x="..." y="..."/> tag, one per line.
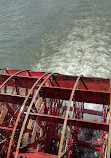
<point x="84" y="50"/>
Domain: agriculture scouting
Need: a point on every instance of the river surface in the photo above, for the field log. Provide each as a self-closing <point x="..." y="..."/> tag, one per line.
<point x="66" y="36"/>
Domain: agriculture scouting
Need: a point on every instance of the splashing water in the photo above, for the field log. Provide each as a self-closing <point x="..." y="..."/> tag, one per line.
<point x="83" y="47"/>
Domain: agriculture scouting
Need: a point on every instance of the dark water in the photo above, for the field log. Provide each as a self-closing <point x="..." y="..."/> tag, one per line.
<point x="68" y="36"/>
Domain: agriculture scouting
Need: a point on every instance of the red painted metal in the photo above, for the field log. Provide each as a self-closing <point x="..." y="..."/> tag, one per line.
<point x="72" y="121"/>
<point x="15" y="99"/>
<point x="42" y="132"/>
<point x="80" y="95"/>
<point x="38" y="155"/>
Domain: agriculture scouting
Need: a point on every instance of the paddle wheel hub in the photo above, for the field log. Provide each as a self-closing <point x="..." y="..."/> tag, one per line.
<point x="50" y="115"/>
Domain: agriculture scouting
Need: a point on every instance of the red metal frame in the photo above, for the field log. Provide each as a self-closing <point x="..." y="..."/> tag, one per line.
<point x="42" y="131"/>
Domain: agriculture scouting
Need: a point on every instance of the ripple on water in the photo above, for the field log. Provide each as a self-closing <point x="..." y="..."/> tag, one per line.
<point x="86" y="47"/>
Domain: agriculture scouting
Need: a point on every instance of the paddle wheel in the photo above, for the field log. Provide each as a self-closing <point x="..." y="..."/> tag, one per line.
<point x="48" y="115"/>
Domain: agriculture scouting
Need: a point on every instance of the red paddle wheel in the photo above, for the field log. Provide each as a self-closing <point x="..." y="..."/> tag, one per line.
<point x="44" y="115"/>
